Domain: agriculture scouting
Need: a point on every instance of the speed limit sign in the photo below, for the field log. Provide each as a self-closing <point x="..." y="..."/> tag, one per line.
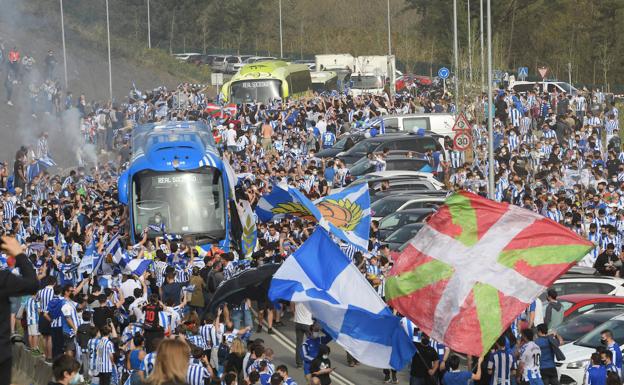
<point x="462" y="141"/>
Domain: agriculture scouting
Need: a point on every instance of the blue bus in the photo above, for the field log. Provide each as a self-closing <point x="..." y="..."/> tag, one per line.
<point x="176" y="183"/>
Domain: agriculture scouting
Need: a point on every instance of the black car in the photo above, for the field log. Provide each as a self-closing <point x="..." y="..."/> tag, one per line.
<point x="399" y="239"/>
<point x="410" y="142"/>
<point x="394" y="221"/>
<point x="393" y="162"/>
<point x="343" y="144"/>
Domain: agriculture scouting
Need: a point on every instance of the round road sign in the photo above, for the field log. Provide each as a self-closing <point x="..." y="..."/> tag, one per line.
<point x="462" y="141"/>
<point x="443" y="73"/>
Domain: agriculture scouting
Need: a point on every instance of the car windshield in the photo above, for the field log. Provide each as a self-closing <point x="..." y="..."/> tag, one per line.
<point x="364" y="82"/>
<point x="341" y="143"/>
<point x="251" y="91"/>
<point x="179" y="202"/>
<point x="384" y="207"/>
<point x="592" y="339"/>
<point x="364" y="147"/>
<point x="361" y="167"/>
<point x="577" y="327"/>
<point x="404" y="234"/>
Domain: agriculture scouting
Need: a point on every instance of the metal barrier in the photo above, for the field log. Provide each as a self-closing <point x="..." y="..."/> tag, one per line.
<point x="33" y="368"/>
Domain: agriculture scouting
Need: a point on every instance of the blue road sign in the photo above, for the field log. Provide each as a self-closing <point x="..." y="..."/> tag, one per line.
<point x="443" y="73"/>
<point x="523" y="72"/>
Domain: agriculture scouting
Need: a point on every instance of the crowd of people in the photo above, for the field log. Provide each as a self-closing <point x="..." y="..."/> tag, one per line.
<point x="556" y="154"/>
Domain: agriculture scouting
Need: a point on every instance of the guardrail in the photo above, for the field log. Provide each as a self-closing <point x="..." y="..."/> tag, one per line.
<point x="33" y="368"/>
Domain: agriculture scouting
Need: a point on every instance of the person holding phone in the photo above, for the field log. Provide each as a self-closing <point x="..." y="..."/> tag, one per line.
<point x="12" y="285"/>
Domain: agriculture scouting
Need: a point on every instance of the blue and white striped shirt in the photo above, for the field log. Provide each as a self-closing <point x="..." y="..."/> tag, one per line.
<point x="196" y="374"/>
<point x="32" y="311"/>
<point x="103" y="362"/>
<point x="148" y="363"/>
<point x="92" y="352"/>
<point x="44" y="296"/>
<point x="501" y="364"/>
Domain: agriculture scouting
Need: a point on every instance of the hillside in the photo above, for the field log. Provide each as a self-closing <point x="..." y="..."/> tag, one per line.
<point x="87" y="73"/>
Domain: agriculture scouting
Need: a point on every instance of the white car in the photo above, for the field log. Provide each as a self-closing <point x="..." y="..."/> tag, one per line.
<point x="237" y="66"/>
<point x="401" y="173"/>
<point x="588" y="284"/>
<point x="572" y="369"/>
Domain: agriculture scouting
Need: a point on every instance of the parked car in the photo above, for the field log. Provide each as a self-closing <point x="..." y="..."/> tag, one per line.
<point x="587" y="284"/>
<point x="249" y="60"/>
<point x="398" y="239"/>
<point x="186" y="56"/>
<point x="394" y="221"/>
<point x="232" y="61"/>
<point x="393" y="162"/>
<point x="441" y="124"/>
<point x="378" y="176"/>
<point x="572" y="369"/>
<point x="574" y="328"/>
<point x="575" y="304"/>
<point x="395" y="203"/>
<point x="219" y="63"/>
<point x="343" y="144"/>
<point x="413" y="142"/>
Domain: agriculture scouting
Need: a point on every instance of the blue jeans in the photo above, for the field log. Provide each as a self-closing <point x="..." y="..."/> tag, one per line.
<point x="536" y="381"/>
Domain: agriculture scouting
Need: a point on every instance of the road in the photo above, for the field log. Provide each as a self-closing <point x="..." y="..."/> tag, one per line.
<point x="283" y="343"/>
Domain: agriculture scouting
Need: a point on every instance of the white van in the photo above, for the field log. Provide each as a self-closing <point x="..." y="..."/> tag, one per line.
<point x="441" y="124"/>
<point x="550" y="86"/>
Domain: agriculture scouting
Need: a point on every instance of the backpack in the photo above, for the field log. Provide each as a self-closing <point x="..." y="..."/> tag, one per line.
<point x="223" y="352"/>
<point x="55" y="307"/>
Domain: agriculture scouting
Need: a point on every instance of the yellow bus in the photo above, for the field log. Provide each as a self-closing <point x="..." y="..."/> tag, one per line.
<point x="266" y="81"/>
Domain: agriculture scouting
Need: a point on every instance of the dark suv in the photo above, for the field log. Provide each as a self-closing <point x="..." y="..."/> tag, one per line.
<point x="409" y="142"/>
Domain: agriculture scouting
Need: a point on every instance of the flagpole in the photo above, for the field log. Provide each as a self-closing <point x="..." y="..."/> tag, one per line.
<point x="491" y="192"/>
<point x="63" y="40"/>
<point x="110" y="72"/>
<point x="455" y="54"/>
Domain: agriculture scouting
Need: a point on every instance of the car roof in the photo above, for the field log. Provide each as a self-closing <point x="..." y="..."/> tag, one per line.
<point x="411" y="197"/>
<point x="599" y="278"/>
<point x="587" y="297"/>
<point x="399" y="173"/>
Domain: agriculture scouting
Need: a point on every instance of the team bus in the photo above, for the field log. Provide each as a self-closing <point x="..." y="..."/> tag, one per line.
<point x="324" y="81"/>
<point x="266" y="81"/>
<point x="177" y="184"/>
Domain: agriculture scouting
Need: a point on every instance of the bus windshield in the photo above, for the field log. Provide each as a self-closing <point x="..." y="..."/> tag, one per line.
<point x="365" y="82"/>
<point x="250" y="91"/>
<point x="189" y="202"/>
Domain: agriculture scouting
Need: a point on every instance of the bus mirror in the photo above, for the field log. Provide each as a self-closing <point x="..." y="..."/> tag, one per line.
<point x="122" y="187"/>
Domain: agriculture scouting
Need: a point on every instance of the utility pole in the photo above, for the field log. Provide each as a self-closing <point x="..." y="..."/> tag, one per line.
<point x="469" y="45"/>
<point x="149" y="27"/>
<point x="491" y="192"/>
<point x="110" y="72"/>
<point x="63" y="39"/>
<point x="482" y="50"/>
<point x="389" y="34"/>
<point x="280" y="31"/>
<point x="455" y="53"/>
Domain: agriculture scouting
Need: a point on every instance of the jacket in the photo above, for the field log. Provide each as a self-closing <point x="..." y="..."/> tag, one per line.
<point x="12" y="285"/>
<point x="554" y="314"/>
<point x="197" y="299"/>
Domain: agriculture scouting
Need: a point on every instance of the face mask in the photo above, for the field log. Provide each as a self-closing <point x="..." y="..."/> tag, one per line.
<point x="76" y="379"/>
<point x="157" y="219"/>
<point x="316" y="334"/>
<point x="603" y="341"/>
<point x="325" y="356"/>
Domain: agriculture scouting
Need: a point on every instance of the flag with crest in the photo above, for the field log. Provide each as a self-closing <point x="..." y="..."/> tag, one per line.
<point x="345" y="214"/>
<point x="475" y="266"/>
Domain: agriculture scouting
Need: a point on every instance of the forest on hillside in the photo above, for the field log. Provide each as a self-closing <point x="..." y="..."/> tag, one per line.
<point x="532" y="33"/>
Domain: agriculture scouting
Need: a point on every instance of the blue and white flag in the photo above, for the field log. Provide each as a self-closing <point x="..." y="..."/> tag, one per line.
<point x="349" y="309"/>
<point x="38" y="166"/>
<point x="137" y="266"/>
<point x="345" y="214"/>
<point x="91" y="259"/>
<point x="250" y="231"/>
<point x="107" y="281"/>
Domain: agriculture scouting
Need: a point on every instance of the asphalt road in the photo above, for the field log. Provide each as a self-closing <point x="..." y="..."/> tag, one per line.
<point x="283" y="343"/>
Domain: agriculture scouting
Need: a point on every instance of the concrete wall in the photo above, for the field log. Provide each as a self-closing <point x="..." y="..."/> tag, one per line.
<point x="33" y="368"/>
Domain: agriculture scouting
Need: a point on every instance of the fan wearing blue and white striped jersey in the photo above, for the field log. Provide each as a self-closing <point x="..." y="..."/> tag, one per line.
<point x="32" y="320"/>
<point x="104" y="356"/>
<point x="606" y="338"/>
<point x="596" y="373"/>
<point x="529" y="359"/>
<point x="501" y="365"/>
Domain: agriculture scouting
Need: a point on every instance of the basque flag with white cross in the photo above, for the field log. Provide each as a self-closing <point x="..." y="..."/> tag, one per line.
<point x="475" y="266"/>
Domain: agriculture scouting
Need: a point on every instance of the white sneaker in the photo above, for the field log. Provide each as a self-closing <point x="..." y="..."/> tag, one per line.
<point x="10" y="103"/>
